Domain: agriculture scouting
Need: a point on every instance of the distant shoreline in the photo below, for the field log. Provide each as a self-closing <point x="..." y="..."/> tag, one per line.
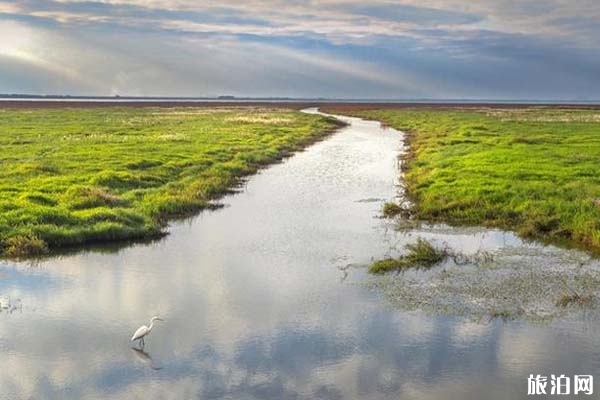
<point x="4" y="97"/>
<point x="84" y="102"/>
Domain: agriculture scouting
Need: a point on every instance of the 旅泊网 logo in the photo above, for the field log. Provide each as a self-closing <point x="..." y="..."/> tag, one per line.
<point x="560" y="385"/>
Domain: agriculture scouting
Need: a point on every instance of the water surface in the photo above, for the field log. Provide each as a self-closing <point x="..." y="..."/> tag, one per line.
<point x="263" y="299"/>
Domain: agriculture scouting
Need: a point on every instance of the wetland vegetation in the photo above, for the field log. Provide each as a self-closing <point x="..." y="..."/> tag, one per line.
<point x="421" y="254"/>
<point x="70" y="176"/>
<point x="533" y="170"/>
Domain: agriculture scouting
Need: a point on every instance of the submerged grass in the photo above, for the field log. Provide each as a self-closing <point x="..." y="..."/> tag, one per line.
<point x="531" y="170"/>
<point x="574" y="298"/>
<point x="71" y="176"/>
<point x="505" y="314"/>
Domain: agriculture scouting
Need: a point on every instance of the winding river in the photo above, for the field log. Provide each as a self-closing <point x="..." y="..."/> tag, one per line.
<point x="267" y="298"/>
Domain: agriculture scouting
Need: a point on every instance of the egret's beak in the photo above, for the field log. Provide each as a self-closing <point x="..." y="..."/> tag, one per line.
<point x="160" y="319"/>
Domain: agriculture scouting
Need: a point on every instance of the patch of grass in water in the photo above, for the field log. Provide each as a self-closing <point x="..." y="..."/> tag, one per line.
<point x="386" y="265"/>
<point x="421" y="254"/>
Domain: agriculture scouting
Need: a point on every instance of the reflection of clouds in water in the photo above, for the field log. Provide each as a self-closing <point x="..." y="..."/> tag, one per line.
<point x="469" y="333"/>
<point x="519" y="352"/>
<point x="465" y="239"/>
<point x="376" y="358"/>
<point x="522" y="348"/>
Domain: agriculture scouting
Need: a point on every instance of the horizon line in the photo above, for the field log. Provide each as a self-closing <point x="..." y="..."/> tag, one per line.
<point x="26" y="96"/>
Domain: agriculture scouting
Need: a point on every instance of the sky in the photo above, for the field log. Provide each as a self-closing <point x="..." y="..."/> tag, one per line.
<point x="402" y="49"/>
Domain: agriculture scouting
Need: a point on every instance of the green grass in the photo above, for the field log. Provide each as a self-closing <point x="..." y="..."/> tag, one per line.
<point x="420" y="254"/>
<point x="535" y="171"/>
<point x="73" y="176"/>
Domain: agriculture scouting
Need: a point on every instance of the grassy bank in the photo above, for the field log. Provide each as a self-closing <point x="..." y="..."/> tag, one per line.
<point x="76" y="175"/>
<point x="532" y="170"/>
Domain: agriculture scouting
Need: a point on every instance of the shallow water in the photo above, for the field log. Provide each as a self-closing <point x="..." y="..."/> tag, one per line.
<point x="264" y="299"/>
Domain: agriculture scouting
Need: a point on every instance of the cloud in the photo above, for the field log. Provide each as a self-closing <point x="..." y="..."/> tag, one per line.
<point x="331" y="48"/>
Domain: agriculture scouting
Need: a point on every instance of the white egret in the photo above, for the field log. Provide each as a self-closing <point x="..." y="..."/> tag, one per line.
<point x="144" y="331"/>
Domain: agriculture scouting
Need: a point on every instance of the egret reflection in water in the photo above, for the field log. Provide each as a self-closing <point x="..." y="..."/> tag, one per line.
<point x="144" y="358"/>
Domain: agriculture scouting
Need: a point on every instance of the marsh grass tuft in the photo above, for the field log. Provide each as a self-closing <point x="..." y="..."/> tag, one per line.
<point x="421" y="254"/>
<point x="391" y="210"/>
<point x="20" y="246"/>
<point x="386" y="265"/>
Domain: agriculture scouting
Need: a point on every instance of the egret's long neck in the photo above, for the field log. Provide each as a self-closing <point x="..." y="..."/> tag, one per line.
<point x="151" y="325"/>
